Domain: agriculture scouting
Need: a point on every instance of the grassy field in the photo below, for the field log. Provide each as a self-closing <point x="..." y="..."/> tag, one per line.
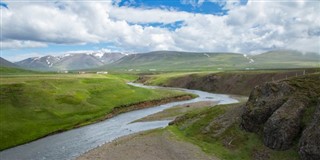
<point x="36" y="105"/>
<point x="226" y="141"/>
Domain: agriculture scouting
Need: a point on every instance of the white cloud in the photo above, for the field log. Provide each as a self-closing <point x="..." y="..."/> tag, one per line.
<point x="139" y="15"/>
<point x="16" y="44"/>
<point x="257" y="26"/>
<point x="19" y="57"/>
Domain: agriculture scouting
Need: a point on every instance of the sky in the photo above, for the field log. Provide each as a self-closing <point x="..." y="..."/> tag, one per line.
<point x="32" y="28"/>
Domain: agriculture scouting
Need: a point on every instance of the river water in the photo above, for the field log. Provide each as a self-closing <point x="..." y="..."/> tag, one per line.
<point x="73" y="143"/>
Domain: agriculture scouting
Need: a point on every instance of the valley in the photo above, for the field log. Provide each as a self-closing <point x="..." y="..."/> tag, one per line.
<point x="36" y="105"/>
<point x="160" y="80"/>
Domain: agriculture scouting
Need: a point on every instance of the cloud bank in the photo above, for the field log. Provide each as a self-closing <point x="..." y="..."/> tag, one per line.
<point x="255" y="27"/>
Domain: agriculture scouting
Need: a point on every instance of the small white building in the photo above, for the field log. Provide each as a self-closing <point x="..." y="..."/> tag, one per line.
<point x="63" y="71"/>
<point x="102" y="72"/>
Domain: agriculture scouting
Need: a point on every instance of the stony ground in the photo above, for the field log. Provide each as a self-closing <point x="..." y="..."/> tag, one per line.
<point x="150" y="145"/>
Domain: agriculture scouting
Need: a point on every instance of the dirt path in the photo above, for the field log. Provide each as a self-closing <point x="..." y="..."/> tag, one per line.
<point x="150" y="145"/>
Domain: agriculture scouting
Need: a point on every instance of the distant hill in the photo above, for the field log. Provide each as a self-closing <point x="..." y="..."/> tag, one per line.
<point x="286" y="59"/>
<point x="170" y="60"/>
<point x="72" y="61"/>
<point x="6" y="63"/>
<point x="38" y="63"/>
<point x="14" y="71"/>
<point x="180" y="61"/>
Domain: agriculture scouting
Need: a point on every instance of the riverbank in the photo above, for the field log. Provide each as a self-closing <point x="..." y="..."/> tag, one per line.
<point x="146" y="104"/>
<point x="159" y="144"/>
<point x="126" y="108"/>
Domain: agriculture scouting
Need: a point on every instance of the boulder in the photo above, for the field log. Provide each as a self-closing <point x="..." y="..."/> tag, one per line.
<point x="285" y="112"/>
<point x="309" y="144"/>
<point x="262" y="102"/>
<point x="284" y="125"/>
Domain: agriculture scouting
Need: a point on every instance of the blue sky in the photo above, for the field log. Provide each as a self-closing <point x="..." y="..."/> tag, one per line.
<point x="189" y="6"/>
<point x="32" y="28"/>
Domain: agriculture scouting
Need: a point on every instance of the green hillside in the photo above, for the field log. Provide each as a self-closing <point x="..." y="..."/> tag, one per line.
<point x="190" y="61"/>
<point x="286" y="59"/>
<point x="33" y="106"/>
<point x="14" y="71"/>
<point x="184" y="61"/>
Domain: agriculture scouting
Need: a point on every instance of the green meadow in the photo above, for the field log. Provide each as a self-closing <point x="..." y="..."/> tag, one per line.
<point x="36" y="105"/>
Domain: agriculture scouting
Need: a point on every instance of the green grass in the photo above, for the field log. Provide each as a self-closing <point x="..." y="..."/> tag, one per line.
<point x="33" y="106"/>
<point x="14" y="71"/>
<point x="232" y="143"/>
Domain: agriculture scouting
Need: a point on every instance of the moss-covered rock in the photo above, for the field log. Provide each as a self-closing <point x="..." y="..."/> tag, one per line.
<point x="263" y="101"/>
<point x="279" y="112"/>
<point x="284" y="125"/>
<point x="309" y="145"/>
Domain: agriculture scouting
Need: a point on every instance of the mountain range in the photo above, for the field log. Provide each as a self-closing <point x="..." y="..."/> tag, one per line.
<point x="70" y="61"/>
<point x="169" y="61"/>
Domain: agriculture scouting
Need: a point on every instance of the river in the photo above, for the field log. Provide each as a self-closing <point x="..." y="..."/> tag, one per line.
<point x="73" y="143"/>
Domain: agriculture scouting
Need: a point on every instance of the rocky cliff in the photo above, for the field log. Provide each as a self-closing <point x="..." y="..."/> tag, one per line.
<point x="286" y="112"/>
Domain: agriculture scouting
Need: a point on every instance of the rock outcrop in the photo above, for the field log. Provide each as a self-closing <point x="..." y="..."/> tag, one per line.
<point x="284" y="125"/>
<point x="280" y="112"/>
<point x="263" y="102"/>
<point x="309" y="145"/>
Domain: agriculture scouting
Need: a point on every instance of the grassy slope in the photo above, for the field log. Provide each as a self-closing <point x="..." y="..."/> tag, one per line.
<point x="286" y="59"/>
<point x="14" y="71"/>
<point x="232" y="143"/>
<point x="177" y="61"/>
<point x="33" y="106"/>
<point x="188" y="61"/>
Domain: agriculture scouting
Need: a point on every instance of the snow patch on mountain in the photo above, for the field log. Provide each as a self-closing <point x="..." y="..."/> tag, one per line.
<point x="75" y="60"/>
<point x="248" y="58"/>
<point x="99" y="54"/>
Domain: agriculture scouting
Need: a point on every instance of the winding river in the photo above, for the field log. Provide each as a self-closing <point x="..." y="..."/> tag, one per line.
<point x="71" y="144"/>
